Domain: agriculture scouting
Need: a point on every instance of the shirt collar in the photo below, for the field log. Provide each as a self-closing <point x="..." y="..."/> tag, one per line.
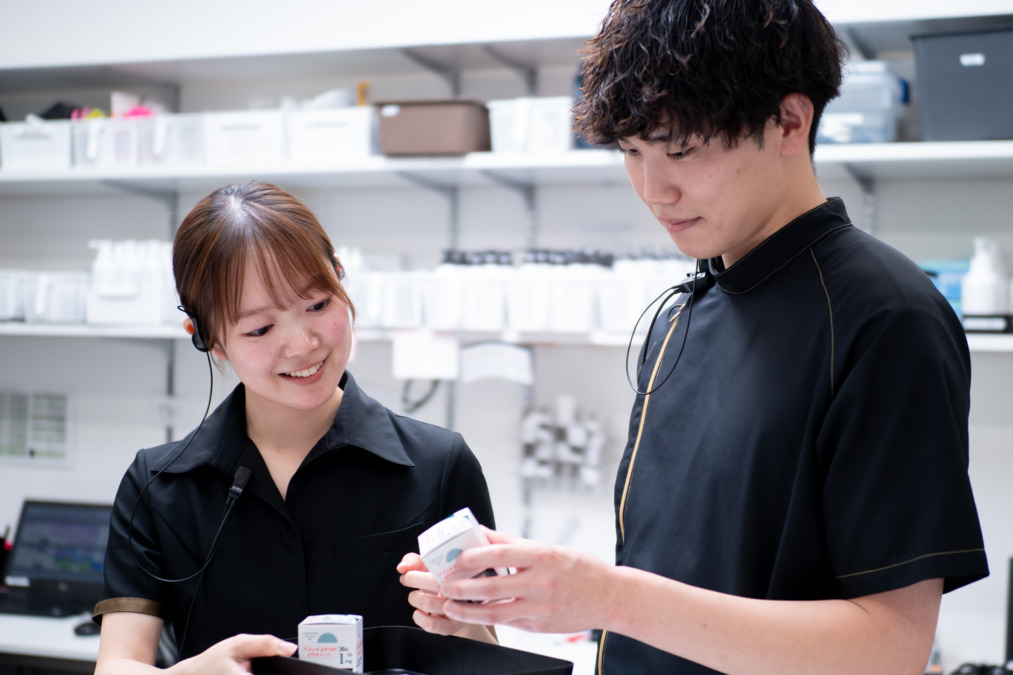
<point x="219" y="440"/>
<point x="780" y="248"/>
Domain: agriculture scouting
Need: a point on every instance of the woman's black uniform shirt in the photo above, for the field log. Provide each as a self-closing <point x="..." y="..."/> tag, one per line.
<point x="812" y="441"/>
<point x="354" y="507"/>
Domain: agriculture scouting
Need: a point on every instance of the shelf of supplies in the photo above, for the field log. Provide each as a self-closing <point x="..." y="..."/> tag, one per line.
<point x="978" y="342"/>
<point x="17" y="329"/>
<point x="577" y="167"/>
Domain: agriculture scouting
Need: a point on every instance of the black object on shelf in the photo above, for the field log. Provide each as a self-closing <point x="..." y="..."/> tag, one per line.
<point x="412" y="651"/>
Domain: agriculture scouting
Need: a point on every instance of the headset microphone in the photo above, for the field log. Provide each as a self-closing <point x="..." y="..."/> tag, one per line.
<point x="701" y="280"/>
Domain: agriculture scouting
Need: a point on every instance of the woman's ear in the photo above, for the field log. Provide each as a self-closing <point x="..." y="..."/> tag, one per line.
<point x="796" y="120"/>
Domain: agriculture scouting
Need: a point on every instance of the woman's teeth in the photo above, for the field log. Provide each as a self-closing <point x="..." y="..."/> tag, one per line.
<point x="306" y="373"/>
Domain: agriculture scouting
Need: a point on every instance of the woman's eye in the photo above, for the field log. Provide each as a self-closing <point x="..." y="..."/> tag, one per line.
<point x="259" y="332"/>
<point x="320" y="306"/>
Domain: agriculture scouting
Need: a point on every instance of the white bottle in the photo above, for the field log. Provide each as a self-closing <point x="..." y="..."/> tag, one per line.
<point x="985" y="288"/>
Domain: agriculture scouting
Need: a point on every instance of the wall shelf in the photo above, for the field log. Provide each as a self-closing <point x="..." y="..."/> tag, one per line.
<point x="578" y="167"/>
<point x="978" y="342"/>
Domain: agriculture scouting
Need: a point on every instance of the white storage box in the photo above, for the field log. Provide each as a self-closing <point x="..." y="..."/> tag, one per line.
<point x="34" y="146"/>
<point x="531" y="124"/>
<point x="12" y="294"/>
<point x="245" y="139"/>
<point x="106" y="142"/>
<point x="132" y="284"/>
<point x="56" y="297"/>
<point x="172" y="140"/>
<point x="321" y="136"/>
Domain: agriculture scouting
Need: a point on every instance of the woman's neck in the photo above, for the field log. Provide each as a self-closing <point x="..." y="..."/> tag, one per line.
<point x="278" y="428"/>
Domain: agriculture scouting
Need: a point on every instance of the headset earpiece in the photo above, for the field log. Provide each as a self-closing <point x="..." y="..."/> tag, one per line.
<point x="197" y="337"/>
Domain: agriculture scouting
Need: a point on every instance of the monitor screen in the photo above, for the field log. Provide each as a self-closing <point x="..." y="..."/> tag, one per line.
<point x="60" y="541"/>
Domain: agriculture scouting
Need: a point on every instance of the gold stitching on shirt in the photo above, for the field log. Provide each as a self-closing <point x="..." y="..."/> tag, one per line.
<point x="830" y="311"/>
<point x="908" y="562"/>
<point x="640" y="429"/>
<point x="633" y="459"/>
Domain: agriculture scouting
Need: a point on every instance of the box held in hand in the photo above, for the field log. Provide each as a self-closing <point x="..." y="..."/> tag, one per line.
<point x="333" y="640"/>
<point x="442" y="543"/>
<point x="433" y="127"/>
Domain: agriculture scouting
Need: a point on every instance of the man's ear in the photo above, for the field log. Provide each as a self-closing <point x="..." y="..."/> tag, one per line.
<point x="796" y="120"/>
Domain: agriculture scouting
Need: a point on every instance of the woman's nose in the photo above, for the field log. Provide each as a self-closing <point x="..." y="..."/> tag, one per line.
<point x="302" y="339"/>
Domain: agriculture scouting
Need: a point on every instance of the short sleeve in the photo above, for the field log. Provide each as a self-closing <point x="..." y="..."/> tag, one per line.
<point x="898" y="505"/>
<point x="464" y="484"/>
<point x="133" y="556"/>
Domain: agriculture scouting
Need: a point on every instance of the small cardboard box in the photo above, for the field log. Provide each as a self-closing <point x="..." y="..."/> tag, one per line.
<point x="433" y="127"/>
<point x="333" y="640"/>
<point x="442" y="543"/>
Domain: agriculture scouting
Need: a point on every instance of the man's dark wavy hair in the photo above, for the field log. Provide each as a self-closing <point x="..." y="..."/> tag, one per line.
<point x="706" y="68"/>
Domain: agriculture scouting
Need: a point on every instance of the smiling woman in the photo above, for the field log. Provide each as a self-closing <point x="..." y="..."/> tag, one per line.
<point x="339" y="486"/>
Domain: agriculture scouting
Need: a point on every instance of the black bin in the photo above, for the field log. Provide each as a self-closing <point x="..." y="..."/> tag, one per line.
<point x="965" y="85"/>
<point x="412" y="651"/>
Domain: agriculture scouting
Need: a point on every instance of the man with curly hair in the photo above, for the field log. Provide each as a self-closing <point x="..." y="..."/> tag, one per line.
<point x="793" y="497"/>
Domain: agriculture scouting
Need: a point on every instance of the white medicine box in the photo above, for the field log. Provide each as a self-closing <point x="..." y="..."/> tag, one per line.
<point x="34" y="146"/>
<point x="322" y="136"/>
<point x="245" y="139"/>
<point x="333" y="640"/>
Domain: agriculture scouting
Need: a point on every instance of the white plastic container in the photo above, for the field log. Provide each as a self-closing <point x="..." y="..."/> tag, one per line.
<point x="132" y="284"/>
<point x="35" y="146"/>
<point x="245" y="138"/>
<point x="402" y="300"/>
<point x="12" y="294"/>
<point x="985" y="288"/>
<point x="107" y="142"/>
<point x="175" y="140"/>
<point x="531" y="124"/>
<point x="322" y="136"/>
<point x="869" y="107"/>
<point x="442" y="290"/>
<point x="527" y="295"/>
<point x="56" y="297"/>
<point x="483" y="295"/>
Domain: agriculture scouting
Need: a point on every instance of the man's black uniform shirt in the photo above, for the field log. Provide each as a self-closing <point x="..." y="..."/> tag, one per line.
<point x="812" y="441"/>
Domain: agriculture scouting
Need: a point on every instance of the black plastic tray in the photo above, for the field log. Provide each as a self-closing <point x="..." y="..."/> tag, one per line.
<point x="390" y="650"/>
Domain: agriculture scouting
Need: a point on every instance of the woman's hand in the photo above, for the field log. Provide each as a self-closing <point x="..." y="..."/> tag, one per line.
<point x="234" y="654"/>
<point x="428" y="603"/>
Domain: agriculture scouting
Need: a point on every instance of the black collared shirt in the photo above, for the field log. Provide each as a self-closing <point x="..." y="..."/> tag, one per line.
<point x="353" y="508"/>
<point x="812" y="441"/>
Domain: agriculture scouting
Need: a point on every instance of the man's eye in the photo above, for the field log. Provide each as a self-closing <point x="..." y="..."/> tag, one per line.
<point x="681" y="154"/>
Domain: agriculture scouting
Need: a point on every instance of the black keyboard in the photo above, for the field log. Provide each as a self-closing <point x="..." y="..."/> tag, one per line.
<point x="21" y="601"/>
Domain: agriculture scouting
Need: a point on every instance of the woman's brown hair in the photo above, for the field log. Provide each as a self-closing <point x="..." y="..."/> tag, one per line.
<point x="256" y="223"/>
